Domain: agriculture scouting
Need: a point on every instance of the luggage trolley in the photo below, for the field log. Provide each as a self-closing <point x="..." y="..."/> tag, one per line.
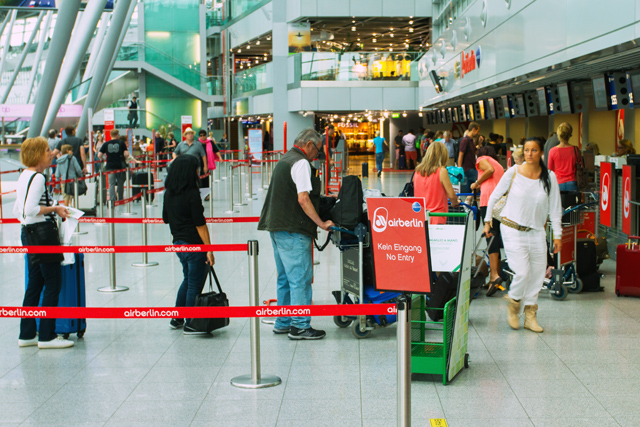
<point x="354" y="288"/>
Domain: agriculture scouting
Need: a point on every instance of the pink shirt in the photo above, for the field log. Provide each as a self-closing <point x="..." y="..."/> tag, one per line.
<point x="435" y="198"/>
<point x="487" y="187"/>
<point x="562" y="160"/>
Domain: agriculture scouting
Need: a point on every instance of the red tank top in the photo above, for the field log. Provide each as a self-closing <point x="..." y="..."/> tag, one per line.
<point x="435" y="198"/>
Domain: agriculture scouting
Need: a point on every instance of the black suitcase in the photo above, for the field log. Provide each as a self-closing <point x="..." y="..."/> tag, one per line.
<point x="402" y="163"/>
<point x="591" y="282"/>
<point x="347" y="211"/>
<point x="365" y="169"/>
<point x="442" y="291"/>
<point x="586" y="257"/>
<point x="140" y="178"/>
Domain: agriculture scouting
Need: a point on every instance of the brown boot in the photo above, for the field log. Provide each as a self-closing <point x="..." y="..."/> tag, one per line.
<point x="530" y="321"/>
<point x="513" y="310"/>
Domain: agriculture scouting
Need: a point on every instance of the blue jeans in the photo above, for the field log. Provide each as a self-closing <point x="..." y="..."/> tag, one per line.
<point x="568" y="186"/>
<point x="292" y="252"/>
<point x="45" y="279"/>
<point x="379" y="160"/>
<point x="194" y="270"/>
<point x="470" y="176"/>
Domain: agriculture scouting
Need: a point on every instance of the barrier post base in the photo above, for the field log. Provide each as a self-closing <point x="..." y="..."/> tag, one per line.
<point x="110" y="289"/>
<point x="231" y="211"/>
<point x="246" y="381"/>
<point x="80" y="233"/>
<point x="145" y="264"/>
<point x="268" y="321"/>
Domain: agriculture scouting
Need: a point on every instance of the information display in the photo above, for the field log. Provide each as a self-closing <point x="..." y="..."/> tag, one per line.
<point x="255" y="143"/>
<point x="399" y="238"/>
<point x="185" y="122"/>
<point x="606" y="194"/>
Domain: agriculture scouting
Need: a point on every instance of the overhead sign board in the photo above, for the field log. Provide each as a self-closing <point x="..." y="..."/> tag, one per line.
<point x="399" y="239"/>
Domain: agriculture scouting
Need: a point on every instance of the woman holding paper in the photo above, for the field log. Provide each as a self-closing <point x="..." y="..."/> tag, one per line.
<point x="532" y="197"/>
<point x="35" y="208"/>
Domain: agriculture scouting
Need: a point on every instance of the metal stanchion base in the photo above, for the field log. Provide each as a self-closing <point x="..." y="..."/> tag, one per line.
<point x="223" y="178"/>
<point x="80" y="233"/>
<point x="245" y="381"/>
<point x="148" y="264"/>
<point x="231" y="212"/>
<point x="316" y="262"/>
<point x="110" y="289"/>
<point x="128" y="213"/>
<point x="239" y="204"/>
<point x="268" y="321"/>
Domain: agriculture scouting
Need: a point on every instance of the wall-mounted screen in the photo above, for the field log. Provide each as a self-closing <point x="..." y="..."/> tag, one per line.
<point x="471" y="114"/>
<point x="491" y="109"/>
<point x="449" y="115"/>
<point x="542" y="101"/>
<point x="463" y="111"/>
<point x="566" y="106"/>
<point x="600" y="95"/>
<point x="506" y="109"/>
<point x="550" y="104"/>
<point x="520" y="107"/>
<point x="482" y="111"/>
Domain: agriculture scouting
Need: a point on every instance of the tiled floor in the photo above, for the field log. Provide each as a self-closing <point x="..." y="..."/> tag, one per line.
<point x="584" y="370"/>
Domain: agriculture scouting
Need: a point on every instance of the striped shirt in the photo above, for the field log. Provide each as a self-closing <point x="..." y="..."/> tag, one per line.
<point x="39" y="195"/>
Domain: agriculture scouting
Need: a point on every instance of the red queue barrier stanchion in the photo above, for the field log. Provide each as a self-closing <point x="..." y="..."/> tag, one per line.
<point x="90" y="220"/>
<point x="145" y="256"/>
<point x="256" y="379"/>
<point x="113" y="287"/>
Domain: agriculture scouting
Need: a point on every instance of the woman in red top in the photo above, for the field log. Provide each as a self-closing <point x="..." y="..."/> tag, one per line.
<point x="564" y="160"/>
<point x="489" y="174"/>
<point x="431" y="181"/>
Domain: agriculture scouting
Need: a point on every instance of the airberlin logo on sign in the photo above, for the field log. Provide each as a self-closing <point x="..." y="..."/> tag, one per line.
<point x="606" y="182"/>
<point x="382" y="221"/>
<point x="468" y="62"/>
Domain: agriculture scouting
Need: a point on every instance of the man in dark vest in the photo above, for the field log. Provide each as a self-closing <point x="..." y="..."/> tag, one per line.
<point x="290" y="214"/>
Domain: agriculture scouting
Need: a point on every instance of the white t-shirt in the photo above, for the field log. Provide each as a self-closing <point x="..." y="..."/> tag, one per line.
<point x="301" y="175"/>
<point x="36" y="199"/>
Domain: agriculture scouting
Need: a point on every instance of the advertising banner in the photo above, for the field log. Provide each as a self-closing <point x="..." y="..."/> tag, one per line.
<point x="606" y="194"/>
<point x="23" y="112"/>
<point x="47" y="4"/>
<point x="399" y="239"/>
<point x="255" y="142"/>
<point x="628" y="188"/>
<point x="185" y="122"/>
<point x="299" y="37"/>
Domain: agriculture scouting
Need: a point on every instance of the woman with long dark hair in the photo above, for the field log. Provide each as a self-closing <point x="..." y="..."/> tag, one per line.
<point x="184" y="213"/>
<point x="533" y="196"/>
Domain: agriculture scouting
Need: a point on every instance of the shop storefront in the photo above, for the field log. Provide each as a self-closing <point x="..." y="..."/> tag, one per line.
<point x="359" y="135"/>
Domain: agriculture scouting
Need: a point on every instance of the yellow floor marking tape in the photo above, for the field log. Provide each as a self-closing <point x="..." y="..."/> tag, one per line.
<point x="438" y="422"/>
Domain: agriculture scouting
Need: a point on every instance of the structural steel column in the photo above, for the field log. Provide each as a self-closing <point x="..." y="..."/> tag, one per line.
<point x="7" y="43"/>
<point x="108" y="49"/>
<point x="36" y="61"/>
<point x="61" y="34"/>
<point x="75" y="53"/>
<point x="95" y="51"/>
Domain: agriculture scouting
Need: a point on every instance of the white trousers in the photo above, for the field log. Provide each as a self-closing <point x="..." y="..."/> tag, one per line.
<point x="527" y="256"/>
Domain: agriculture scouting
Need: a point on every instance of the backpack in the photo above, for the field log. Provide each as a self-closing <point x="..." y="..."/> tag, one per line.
<point x="347" y="211"/>
<point x="442" y="291"/>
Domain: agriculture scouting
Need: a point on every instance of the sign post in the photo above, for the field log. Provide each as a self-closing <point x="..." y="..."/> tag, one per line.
<point x="109" y="121"/>
<point x="606" y="194"/>
<point x="628" y="192"/>
<point x="399" y="238"/>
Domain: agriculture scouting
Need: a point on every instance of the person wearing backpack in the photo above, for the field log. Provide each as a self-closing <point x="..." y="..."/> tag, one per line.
<point x="68" y="168"/>
<point x="290" y="215"/>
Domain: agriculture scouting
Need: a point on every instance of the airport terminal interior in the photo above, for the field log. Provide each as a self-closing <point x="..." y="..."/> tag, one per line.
<point x="379" y="81"/>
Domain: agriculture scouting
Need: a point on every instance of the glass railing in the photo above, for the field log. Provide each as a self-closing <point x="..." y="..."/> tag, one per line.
<point x="253" y="79"/>
<point x="356" y="66"/>
<point x="238" y="7"/>
<point x="214" y="18"/>
<point x="188" y="74"/>
<point x="145" y="118"/>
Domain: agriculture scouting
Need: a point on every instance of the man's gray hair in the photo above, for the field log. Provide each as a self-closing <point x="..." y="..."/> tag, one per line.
<point x="446" y="134"/>
<point x="306" y="136"/>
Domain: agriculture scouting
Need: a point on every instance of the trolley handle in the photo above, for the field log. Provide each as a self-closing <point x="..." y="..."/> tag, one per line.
<point x="342" y="230"/>
<point x="579" y="207"/>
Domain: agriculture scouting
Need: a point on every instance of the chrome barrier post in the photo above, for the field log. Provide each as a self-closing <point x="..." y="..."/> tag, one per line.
<point x="100" y="193"/>
<point x="150" y="184"/>
<point x="218" y="171"/>
<point x="262" y="172"/>
<point x="249" y="194"/>
<point x="255" y="379"/>
<point x="403" y="305"/>
<point x="112" y="258"/>
<point x="76" y="199"/>
<point x="211" y="193"/>
<point x="231" y="208"/>
<point x="239" y="202"/>
<point x="226" y="170"/>
<point x="127" y="180"/>
<point x="145" y="256"/>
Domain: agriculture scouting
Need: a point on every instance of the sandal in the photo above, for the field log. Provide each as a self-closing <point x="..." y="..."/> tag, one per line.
<point x="494" y="286"/>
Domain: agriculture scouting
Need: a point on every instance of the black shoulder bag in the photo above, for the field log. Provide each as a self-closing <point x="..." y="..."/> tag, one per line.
<point x="43" y="233"/>
<point x="211" y="299"/>
<point x="407" y="191"/>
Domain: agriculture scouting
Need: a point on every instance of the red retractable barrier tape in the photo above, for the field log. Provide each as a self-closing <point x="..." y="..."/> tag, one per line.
<point x="120" y="249"/>
<point x="91" y="220"/>
<point x="196" y="312"/>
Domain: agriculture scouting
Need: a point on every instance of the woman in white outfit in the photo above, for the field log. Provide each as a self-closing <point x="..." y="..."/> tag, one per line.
<point x="533" y="196"/>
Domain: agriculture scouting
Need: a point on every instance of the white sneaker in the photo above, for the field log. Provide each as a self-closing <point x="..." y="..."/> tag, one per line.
<point x="58" y="342"/>
<point x="28" y="343"/>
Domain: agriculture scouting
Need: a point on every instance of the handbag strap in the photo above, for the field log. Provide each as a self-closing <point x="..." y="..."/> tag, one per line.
<point x="24" y="205"/>
<point x="578" y="157"/>
<point x="212" y="273"/>
<point x="324" y="245"/>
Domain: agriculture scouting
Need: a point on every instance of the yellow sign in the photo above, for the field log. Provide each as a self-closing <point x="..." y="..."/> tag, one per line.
<point x="438" y="422"/>
<point x="299" y="37"/>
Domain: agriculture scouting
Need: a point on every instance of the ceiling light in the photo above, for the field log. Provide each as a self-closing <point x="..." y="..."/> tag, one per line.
<point x="406" y="40"/>
<point x="353" y="28"/>
<point x="391" y="35"/>
<point x="256" y="61"/>
<point x="419" y="114"/>
<point x="411" y="17"/>
<point x="411" y="30"/>
<point x="410" y="22"/>
<point x="258" y="43"/>
<point x="358" y="38"/>
<point x="269" y="38"/>
<point x="390" y="50"/>
<point x="404" y="114"/>
<point x="239" y="50"/>
<point x="248" y="46"/>
<point x="353" y="22"/>
<point x="374" y="40"/>
<point x="391" y="29"/>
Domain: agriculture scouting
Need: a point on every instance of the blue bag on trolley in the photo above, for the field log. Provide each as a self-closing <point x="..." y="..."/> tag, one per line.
<point x="72" y="294"/>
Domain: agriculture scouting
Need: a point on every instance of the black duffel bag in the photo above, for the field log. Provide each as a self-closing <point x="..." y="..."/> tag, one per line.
<point x="211" y="299"/>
